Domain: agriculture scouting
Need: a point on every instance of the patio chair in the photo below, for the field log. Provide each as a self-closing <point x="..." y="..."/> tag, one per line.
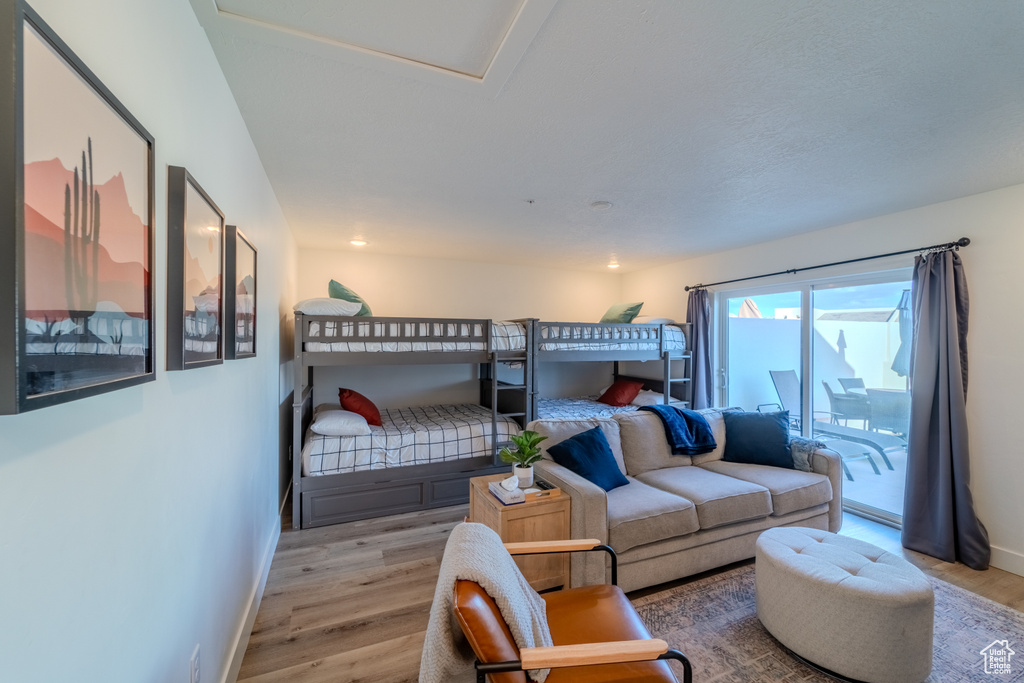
<point x="847" y="407"/>
<point x="787" y="386"/>
<point x="884" y="444"/>
<point x="853" y="385"/>
<point x="890" y="410"/>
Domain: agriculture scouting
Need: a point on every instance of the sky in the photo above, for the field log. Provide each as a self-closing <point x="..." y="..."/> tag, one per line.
<point x="877" y="296"/>
<point x="62" y="112"/>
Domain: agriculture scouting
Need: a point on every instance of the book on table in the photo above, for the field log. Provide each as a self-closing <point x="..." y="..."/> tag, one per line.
<point x="540" y="489"/>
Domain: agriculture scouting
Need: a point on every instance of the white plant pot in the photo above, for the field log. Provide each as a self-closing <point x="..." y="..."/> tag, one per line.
<point x="525" y="476"/>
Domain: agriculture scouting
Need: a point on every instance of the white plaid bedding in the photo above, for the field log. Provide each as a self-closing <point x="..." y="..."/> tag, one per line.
<point x="505" y="336"/>
<point x="588" y="338"/>
<point x="577" y="408"/>
<point x="408" y="436"/>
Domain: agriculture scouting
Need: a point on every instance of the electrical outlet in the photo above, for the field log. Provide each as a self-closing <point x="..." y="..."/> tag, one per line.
<point x="193" y="667"/>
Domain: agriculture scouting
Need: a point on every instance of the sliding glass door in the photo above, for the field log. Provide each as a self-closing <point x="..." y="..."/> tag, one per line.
<point x="763" y="334"/>
<point x="861" y="345"/>
<point x="835" y="354"/>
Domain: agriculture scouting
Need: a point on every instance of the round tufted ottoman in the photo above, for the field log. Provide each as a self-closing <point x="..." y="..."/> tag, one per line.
<point x="845" y="605"/>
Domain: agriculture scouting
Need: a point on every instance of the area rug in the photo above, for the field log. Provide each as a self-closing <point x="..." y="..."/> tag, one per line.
<point x="713" y="621"/>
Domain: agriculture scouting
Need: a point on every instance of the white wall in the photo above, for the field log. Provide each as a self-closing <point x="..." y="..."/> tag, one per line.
<point x="136" y="523"/>
<point x="410" y="286"/>
<point x="992" y="262"/>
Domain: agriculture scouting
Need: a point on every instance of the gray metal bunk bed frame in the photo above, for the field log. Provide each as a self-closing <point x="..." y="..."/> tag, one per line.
<point x="335" y="498"/>
<point x="676" y="390"/>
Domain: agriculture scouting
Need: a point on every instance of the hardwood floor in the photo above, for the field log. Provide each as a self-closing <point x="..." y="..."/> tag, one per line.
<point x="350" y="602"/>
<point x="995" y="584"/>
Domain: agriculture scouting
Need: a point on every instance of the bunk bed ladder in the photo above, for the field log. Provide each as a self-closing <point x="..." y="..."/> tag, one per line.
<point x="511" y="399"/>
<point x="685" y="359"/>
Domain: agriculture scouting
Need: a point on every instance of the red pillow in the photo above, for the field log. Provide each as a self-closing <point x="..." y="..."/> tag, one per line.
<point x="357" y="403"/>
<point x="621" y="393"/>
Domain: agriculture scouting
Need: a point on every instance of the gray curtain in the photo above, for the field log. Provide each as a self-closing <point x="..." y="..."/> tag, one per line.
<point x="938" y="509"/>
<point x="698" y="312"/>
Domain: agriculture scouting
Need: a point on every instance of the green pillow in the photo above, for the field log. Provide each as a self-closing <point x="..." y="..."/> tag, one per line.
<point x="620" y="313"/>
<point x="336" y="290"/>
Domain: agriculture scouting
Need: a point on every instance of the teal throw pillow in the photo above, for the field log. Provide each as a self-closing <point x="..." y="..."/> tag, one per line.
<point x="336" y="290"/>
<point x="589" y="455"/>
<point x="622" y="313"/>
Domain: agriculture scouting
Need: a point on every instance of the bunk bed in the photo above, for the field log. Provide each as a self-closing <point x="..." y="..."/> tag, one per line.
<point x="420" y="457"/>
<point x="617" y="342"/>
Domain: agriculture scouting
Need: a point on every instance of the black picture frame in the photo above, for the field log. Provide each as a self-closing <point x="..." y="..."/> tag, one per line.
<point x="240" y="260"/>
<point x="195" y="274"/>
<point x="76" y="265"/>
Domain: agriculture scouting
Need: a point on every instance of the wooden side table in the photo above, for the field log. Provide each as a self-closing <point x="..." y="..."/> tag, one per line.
<point x="544" y="519"/>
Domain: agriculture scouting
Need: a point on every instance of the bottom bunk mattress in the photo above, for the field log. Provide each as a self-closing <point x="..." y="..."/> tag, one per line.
<point x="408" y="436"/>
<point x="577" y="408"/>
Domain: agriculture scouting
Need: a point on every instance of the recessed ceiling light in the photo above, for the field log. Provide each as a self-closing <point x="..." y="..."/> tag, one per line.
<point x="358" y="243"/>
<point x="613" y="265"/>
<point x="600" y="205"/>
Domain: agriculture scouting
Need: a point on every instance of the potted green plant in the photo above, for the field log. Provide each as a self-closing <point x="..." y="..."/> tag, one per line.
<point x="522" y="458"/>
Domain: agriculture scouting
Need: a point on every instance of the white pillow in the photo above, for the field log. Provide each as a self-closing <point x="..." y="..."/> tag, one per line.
<point x="340" y="423"/>
<point x="327" y="306"/>
<point x="648" y="398"/>
<point x="653" y="320"/>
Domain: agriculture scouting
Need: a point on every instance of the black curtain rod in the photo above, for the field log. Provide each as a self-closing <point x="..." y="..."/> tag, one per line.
<point x="962" y="242"/>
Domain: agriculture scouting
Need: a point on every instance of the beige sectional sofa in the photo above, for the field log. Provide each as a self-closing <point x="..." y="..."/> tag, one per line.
<point x="680" y="515"/>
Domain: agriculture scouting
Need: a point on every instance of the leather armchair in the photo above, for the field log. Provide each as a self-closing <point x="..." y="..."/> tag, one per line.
<point x="598" y="636"/>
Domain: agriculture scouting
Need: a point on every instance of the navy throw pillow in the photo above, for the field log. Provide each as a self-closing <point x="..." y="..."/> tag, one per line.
<point x="589" y="455"/>
<point x="757" y="438"/>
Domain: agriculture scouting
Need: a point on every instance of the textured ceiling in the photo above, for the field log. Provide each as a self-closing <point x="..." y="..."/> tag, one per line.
<point x="708" y="125"/>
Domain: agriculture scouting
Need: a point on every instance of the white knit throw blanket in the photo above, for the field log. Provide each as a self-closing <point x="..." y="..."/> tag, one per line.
<point x="475" y="553"/>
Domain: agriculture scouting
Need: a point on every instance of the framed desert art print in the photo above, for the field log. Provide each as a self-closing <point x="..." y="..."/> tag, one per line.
<point x="195" y="274"/>
<point x="76" y="233"/>
<point x="240" y="302"/>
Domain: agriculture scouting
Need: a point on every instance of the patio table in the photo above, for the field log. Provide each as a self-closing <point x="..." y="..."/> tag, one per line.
<point x="890" y="410"/>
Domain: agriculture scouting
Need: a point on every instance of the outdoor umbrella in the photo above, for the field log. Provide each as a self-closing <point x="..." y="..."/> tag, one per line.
<point x="749" y="309"/>
<point x="901" y="363"/>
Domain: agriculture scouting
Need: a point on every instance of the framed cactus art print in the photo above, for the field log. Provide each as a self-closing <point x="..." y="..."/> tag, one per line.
<point x="195" y="274"/>
<point x="76" y="234"/>
<point x="240" y="302"/>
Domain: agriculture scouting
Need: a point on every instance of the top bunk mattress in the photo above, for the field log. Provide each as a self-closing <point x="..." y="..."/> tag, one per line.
<point x="611" y="337"/>
<point x="347" y="335"/>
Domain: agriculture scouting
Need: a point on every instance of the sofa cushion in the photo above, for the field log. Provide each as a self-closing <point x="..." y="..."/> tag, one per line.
<point x="717" y="424"/>
<point x="791" y="490"/>
<point x="644" y="446"/>
<point x="719" y="499"/>
<point x="639" y="514"/>
<point x="588" y="455"/>
<point x="560" y="430"/>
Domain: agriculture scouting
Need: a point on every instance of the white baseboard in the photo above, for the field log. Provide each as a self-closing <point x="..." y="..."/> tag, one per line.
<point x="1008" y="560"/>
<point x="284" y="498"/>
<point x="245" y="628"/>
